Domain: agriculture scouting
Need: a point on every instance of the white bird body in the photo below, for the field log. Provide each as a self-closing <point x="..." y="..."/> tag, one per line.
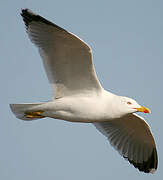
<point x="92" y="108"/>
<point x="79" y="96"/>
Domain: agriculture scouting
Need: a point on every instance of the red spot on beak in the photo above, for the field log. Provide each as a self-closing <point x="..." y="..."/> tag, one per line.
<point x="146" y="111"/>
<point x="143" y="109"/>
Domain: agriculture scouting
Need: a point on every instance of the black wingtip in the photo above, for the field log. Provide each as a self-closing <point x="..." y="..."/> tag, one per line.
<point x="149" y="166"/>
<point x="27" y="12"/>
<point x="29" y="16"/>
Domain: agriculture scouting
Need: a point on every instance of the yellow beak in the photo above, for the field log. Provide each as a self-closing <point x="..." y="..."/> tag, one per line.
<point x="143" y="109"/>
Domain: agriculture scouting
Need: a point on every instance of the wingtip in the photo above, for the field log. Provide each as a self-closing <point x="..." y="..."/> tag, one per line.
<point x="27" y="11"/>
<point x="152" y="171"/>
<point x="24" y="11"/>
<point x="29" y="16"/>
<point x="149" y="166"/>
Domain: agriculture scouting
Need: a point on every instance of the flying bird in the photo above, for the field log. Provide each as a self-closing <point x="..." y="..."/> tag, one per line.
<point x="79" y="96"/>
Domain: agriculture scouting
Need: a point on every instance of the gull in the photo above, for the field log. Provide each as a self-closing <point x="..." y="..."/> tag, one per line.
<point x="79" y="96"/>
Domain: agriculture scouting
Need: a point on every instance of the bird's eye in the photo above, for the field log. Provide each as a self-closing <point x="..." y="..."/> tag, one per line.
<point x="129" y="103"/>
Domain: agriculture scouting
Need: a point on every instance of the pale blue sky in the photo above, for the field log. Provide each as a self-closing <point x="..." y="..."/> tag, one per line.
<point x="127" y="42"/>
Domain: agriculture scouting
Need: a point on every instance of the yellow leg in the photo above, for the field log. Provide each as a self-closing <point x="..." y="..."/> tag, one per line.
<point x="36" y="114"/>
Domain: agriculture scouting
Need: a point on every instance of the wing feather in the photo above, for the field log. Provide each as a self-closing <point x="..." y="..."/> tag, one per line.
<point x="66" y="58"/>
<point x="132" y="138"/>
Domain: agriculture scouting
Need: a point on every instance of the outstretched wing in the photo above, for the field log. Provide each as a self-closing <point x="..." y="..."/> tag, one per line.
<point x="132" y="138"/>
<point x="66" y="58"/>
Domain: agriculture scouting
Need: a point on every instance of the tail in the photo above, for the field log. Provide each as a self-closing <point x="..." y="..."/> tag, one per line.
<point x="27" y="111"/>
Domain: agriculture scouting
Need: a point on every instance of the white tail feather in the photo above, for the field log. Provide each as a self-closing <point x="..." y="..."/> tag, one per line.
<point x="20" y="110"/>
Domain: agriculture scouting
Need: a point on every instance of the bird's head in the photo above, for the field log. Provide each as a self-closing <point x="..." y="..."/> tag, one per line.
<point x="131" y="106"/>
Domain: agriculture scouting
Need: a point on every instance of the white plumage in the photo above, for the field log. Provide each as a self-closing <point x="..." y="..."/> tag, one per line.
<point x="79" y="97"/>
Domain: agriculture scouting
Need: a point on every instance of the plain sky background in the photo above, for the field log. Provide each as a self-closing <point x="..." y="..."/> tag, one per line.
<point x="126" y="37"/>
